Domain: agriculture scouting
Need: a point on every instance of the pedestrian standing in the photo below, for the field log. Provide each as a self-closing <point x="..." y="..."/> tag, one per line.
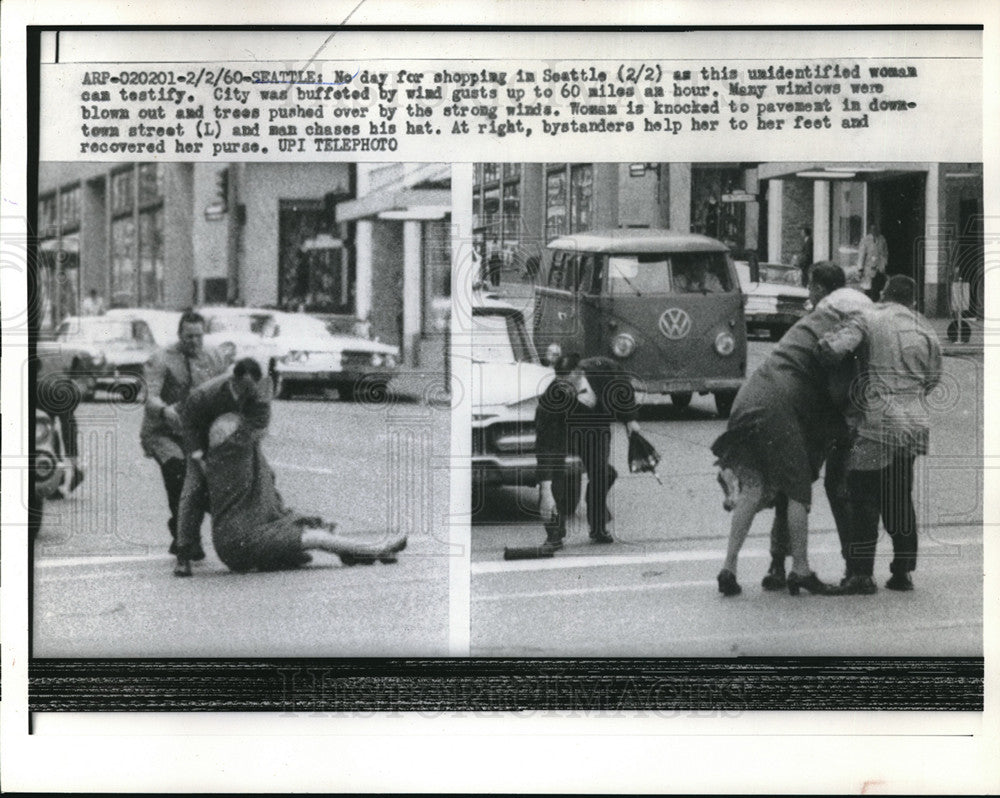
<point x="804" y="257"/>
<point x="574" y="418"/>
<point x="782" y="424"/>
<point x="873" y="258"/>
<point x="170" y="375"/>
<point x="901" y="357"/>
<point x="92" y="305"/>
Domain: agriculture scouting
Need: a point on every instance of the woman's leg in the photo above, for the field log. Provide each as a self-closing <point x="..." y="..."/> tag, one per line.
<point x="798" y="535"/>
<point x="743" y="514"/>
<point x="352" y="548"/>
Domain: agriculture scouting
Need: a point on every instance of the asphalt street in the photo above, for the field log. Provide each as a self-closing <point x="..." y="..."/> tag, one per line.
<point x="653" y="592"/>
<point x="103" y="584"/>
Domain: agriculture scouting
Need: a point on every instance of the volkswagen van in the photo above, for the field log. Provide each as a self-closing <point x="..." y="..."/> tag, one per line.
<point x="666" y="305"/>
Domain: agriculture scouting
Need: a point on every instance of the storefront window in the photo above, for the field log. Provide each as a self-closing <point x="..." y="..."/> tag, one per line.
<point x="151" y="258"/>
<point x="511" y="214"/>
<point x="491" y="214"/>
<point x="123" y="283"/>
<point x="47" y="217"/>
<point x="69" y="202"/>
<point x="847" y="209"/>
<point x="582" y="182"/>
<point x="121" y="192"/>
<point x="150" y="183"/>
<point x="556" y="212"/>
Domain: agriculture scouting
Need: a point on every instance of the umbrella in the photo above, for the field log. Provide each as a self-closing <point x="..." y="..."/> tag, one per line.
<point x="642" y="455"/>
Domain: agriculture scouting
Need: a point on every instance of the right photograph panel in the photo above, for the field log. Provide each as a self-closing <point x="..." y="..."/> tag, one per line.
<point x="726" y="409"/>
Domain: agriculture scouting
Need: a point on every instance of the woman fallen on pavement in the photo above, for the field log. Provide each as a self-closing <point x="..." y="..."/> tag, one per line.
<point x="251" y="527"/>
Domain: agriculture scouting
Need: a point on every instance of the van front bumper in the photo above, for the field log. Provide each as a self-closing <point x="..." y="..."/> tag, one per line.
<point x="658" y="391"/>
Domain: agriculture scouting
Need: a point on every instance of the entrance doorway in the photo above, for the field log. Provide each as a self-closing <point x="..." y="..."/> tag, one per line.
<point x="897" y="204"/>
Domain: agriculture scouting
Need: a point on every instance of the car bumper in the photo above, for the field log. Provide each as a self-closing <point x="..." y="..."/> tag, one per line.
<point x="323" y="377"/>
<point x="772" y="320"/>
<point x="120" y="375"/>
<point x="522" y="470"/>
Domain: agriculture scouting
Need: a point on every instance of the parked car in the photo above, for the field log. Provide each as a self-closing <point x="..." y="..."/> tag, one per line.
<point x="102" y="352"/>
<point x="317" y="359"/>
<point x="47" y="463"/>
<point x="775" y="301"/>
<point x="162" y="323"/>
<point x="666" y="305"/>
<point x="299" y="352"/>
<point x="507" y="380"/>
<point x="243" y="332"/>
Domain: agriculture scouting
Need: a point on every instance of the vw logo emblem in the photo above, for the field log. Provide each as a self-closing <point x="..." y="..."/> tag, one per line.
<point x="675" y="324"/>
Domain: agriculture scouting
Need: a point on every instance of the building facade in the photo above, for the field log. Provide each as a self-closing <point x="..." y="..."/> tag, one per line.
<point x="930" y="213"/>
<point x="368" y="241"/>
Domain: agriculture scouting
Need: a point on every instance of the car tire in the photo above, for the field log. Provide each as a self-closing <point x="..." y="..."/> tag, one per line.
<point x="346" y="390"/>
<point x="724" y="402"/>
<point x="86" y="386"/>
<point x="282" y="388"/>
<point x="681" y="399"/>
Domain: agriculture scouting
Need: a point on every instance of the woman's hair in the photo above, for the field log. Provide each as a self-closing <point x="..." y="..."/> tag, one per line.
<point x="247" y="366"/>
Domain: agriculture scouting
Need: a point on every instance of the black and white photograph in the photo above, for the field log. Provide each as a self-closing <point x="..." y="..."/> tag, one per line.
<point x="241" y="388"/>
<point x="681" y="363"/>
<point x="580" y="396"/>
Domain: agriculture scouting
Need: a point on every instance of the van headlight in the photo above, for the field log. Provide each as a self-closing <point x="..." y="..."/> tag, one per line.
<point x="377" y="359"/>
<point x="725" y="344"/>
<point x="623" y="345"/>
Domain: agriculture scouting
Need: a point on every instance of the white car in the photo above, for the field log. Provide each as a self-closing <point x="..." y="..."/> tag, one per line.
<point x="313" y="358"/>
<point x="507" y="380"/>
<point x="775" y="301"/>
<point x="162" y="324"/>
<point x="243" y="332"/>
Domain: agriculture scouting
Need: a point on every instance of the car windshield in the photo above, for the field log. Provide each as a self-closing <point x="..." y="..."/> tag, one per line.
<point x="666" y="273"/>
<point x="780" y="274"/>
<point x="97" y="331"/>
<point x="261" y="324"/>
<point x="297" y="326"/>
<point x="501" y="338"/>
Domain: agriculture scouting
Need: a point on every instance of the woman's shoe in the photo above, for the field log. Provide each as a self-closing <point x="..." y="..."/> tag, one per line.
<point x="811" y="583"/>
<point x="775" y="578"/>
<point x="728" y="586"/>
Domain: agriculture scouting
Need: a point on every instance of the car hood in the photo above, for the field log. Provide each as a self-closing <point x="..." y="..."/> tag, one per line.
<point x="776" y="290"/>
<point x="334" y="343"/>
<point x="505" y="384"/>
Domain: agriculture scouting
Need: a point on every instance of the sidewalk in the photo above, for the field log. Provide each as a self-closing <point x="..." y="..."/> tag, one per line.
<point x="977" y="337"/>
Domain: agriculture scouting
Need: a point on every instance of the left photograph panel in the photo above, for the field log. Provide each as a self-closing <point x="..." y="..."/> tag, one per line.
<point x="240" y="387"/>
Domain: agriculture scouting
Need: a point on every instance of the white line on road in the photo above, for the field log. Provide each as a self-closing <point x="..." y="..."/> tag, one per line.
<point x="609" y="560"/>
<point x="61" y="562"/>
<point x="308" y="469"/>
<point x="583" y="591"/>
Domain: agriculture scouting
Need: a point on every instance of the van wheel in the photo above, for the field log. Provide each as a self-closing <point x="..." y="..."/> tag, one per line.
<point x="724" y="402"/>
<point x="681" y="399"/>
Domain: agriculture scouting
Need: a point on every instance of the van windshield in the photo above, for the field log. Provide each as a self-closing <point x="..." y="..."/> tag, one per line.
<point x="668" y="273"/>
